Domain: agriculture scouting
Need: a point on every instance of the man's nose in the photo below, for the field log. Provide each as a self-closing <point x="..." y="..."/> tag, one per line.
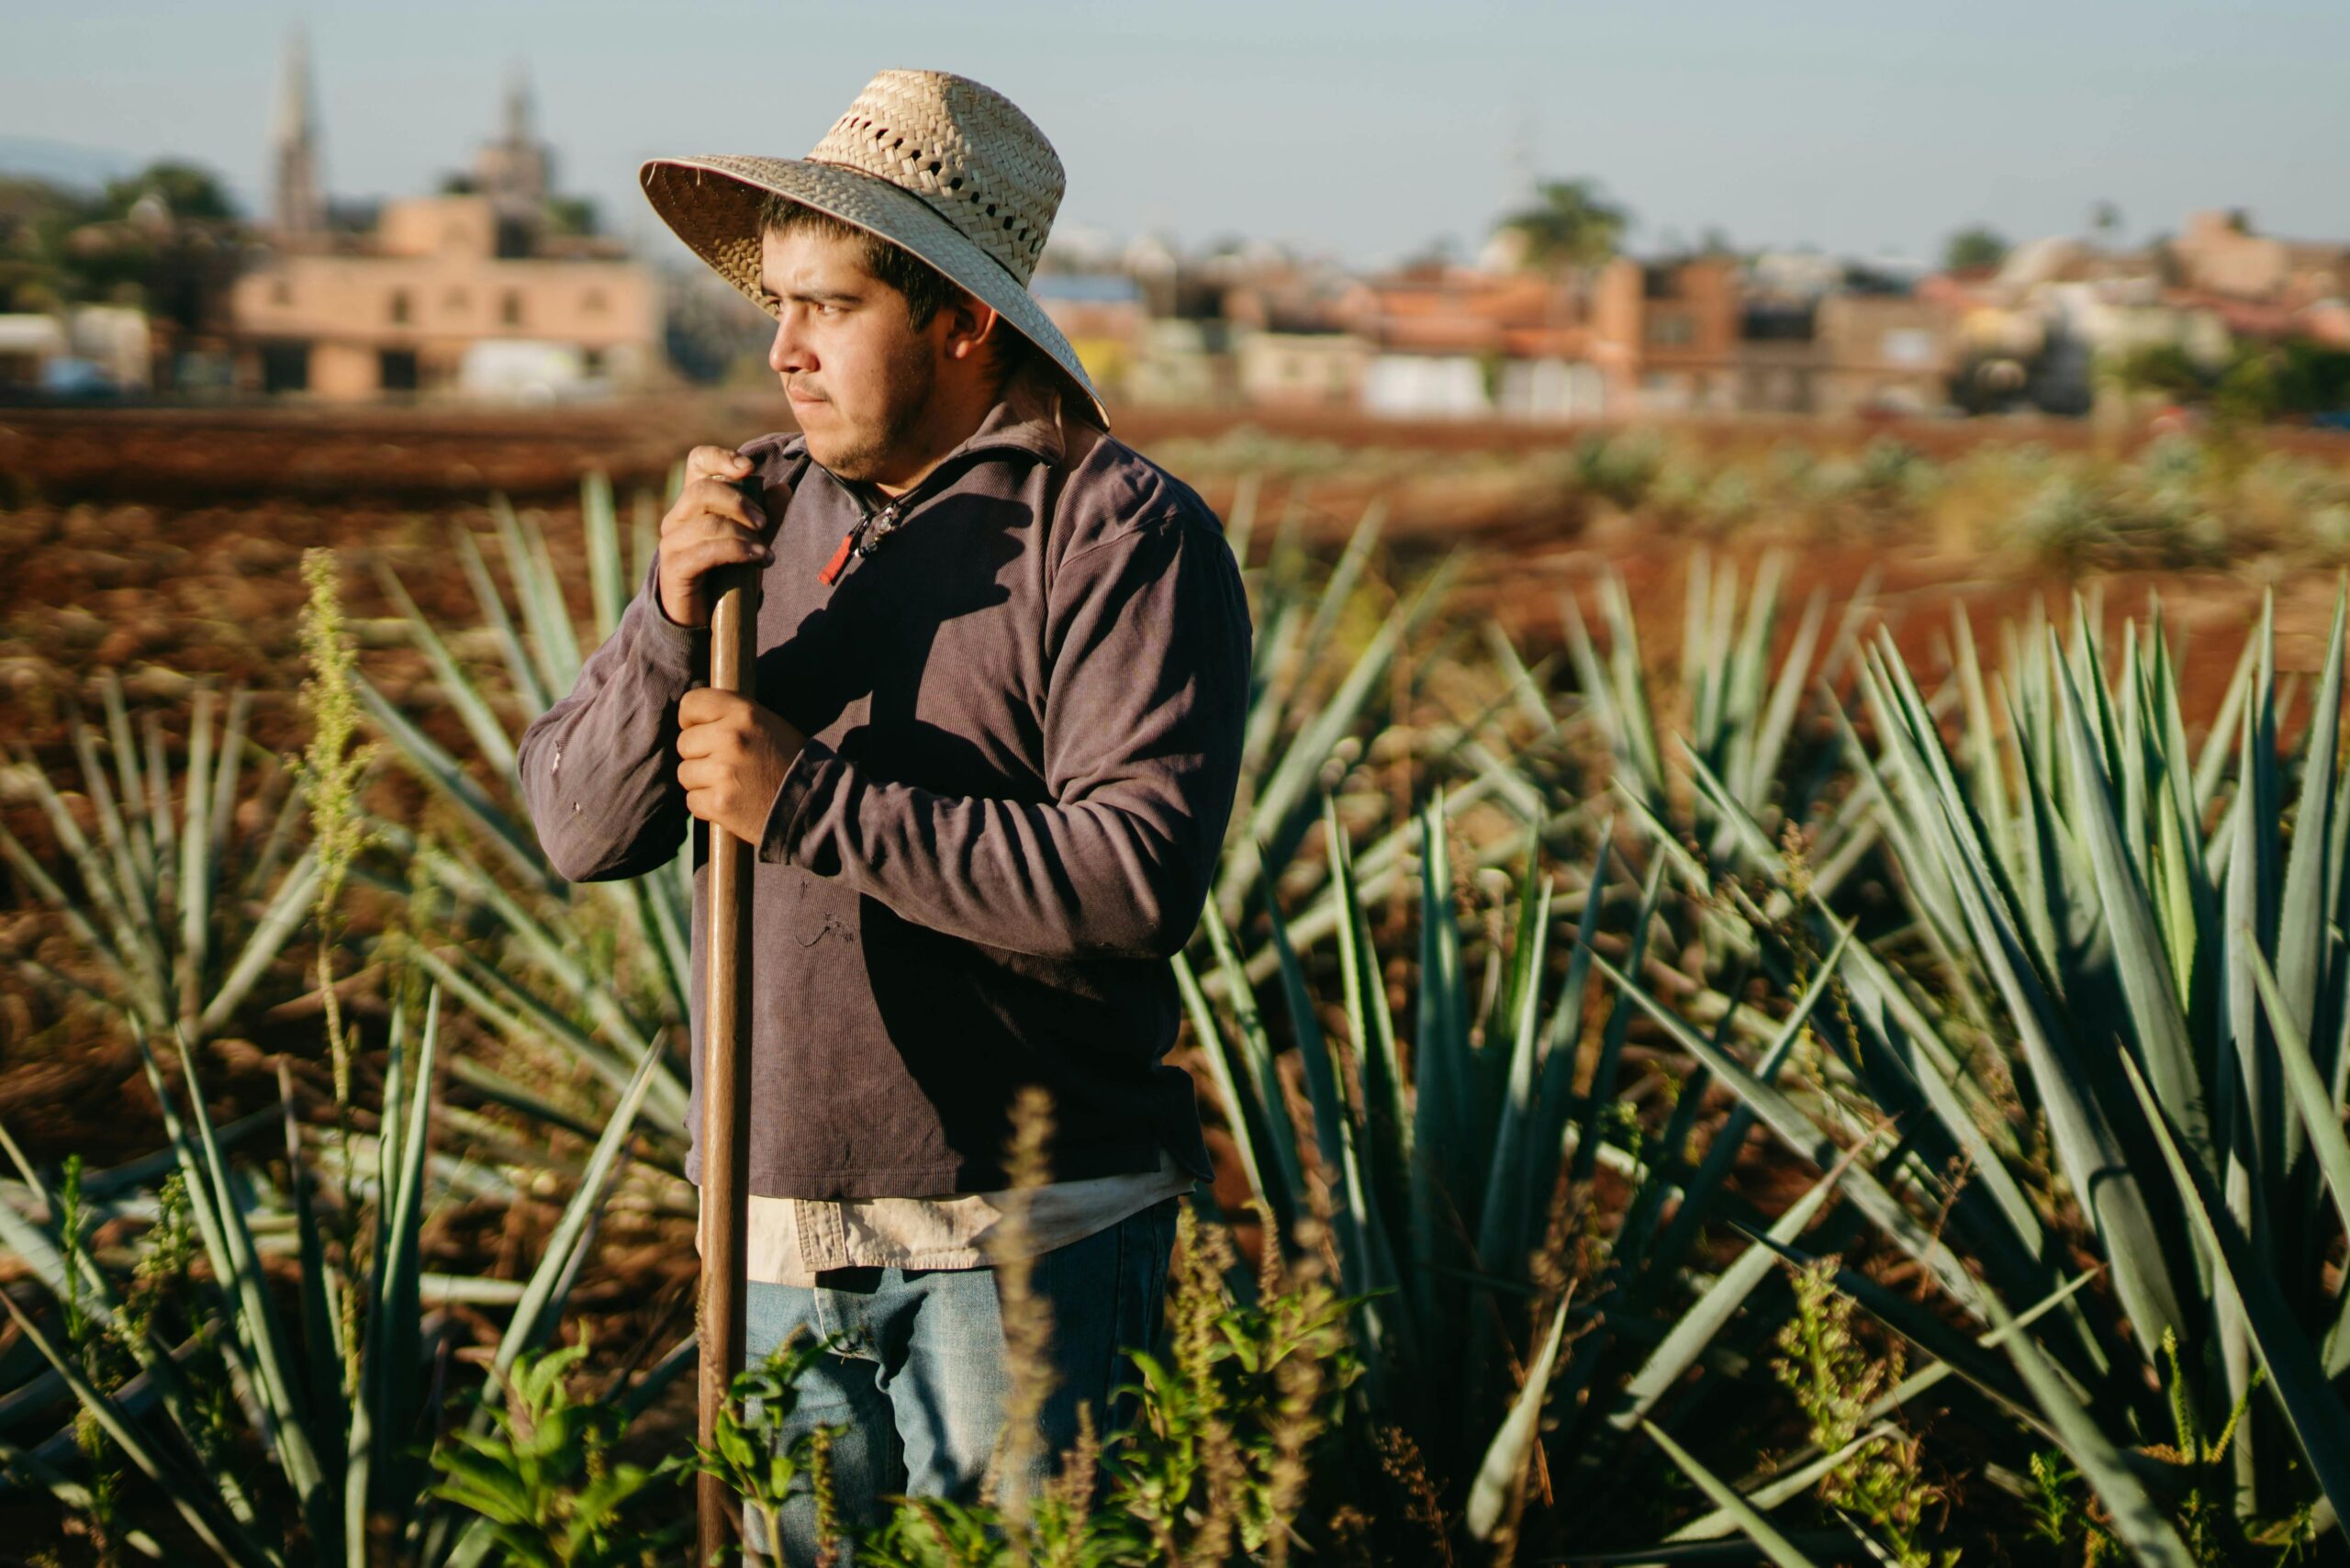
<point x="788" y="353"/>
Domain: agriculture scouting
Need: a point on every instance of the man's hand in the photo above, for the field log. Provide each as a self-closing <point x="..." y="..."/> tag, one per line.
<point x="713" y="525"/>
<point x="732" y="754"/>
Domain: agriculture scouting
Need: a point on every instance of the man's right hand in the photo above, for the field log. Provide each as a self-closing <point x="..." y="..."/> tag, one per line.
<point x="713" y="525"/>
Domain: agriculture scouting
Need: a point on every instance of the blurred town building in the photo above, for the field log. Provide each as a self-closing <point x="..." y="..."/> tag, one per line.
<point x="84" y="349"/>
<point x="498" y="285"/>
<point x="491" y="288"/>
<point x="2060" y="323"/>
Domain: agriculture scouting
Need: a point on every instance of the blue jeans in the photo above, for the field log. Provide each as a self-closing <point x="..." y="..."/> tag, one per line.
<point x="919" y="1377"/>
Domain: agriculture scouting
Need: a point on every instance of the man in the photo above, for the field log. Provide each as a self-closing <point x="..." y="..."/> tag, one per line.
<point x="1002" y="669"/>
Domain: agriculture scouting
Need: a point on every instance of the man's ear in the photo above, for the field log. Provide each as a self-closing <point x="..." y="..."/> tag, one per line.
<point x="971" y="331"/>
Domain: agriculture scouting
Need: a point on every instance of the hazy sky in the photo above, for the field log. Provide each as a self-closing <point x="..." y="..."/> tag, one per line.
<point x="1364" y="130"/>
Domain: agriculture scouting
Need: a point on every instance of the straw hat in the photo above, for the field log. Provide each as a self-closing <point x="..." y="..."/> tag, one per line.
<point x="934" y="163"/>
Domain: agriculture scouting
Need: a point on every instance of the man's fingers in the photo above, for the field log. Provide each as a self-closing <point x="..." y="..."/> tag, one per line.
<point x="703" y="705"/>
<point x="720" y="462"/>
<point x="702" y="555"/>
<point x="732" y="541"/>
<point x="704" y="498"/>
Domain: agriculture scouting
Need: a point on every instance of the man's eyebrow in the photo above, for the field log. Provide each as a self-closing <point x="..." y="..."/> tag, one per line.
<point x="811" y="296"/>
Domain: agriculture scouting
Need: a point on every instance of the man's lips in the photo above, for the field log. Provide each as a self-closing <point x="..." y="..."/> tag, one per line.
<point x="798" y="397"/>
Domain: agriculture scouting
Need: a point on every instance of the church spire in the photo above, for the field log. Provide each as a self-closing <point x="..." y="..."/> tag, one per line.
<point x="517" y="108"/>
<point x="516" y="172"/>
<point x="296" y="206"/>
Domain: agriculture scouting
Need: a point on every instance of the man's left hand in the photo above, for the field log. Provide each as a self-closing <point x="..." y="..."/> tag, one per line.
<point x="731" y="756"/>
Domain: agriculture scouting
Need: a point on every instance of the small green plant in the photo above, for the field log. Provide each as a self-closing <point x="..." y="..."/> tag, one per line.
<point x="86" y="1339"/>
<point x="748" y="1453"/>
<point x="1231" y="1432"/>
<point x="2064" y="1512"/>
<point x="332" y="771"/>
<point x="1834" y="1382"/>
<point x="1232" y="1413"/>
<point x="544" y="1477"/>
<point x="2068" y="1515"/>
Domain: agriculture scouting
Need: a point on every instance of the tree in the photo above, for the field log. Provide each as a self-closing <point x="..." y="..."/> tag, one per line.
<point x="1979" y="246"/>
<point x="1569" y="225"/>
<point x="190" y="192"/>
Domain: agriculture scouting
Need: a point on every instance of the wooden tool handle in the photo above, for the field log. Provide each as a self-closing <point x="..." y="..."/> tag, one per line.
<point x="726" y="1078"/>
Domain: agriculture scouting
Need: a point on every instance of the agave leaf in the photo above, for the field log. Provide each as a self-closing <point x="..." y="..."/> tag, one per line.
<point x="127" y="952"/>
<point x="396" y="1303"/>
<point x="2086" y="1144"/>
<point x="233" y="1544"/>
<point x="1440" y="1068"/>
<point x="599" y="522"/>
<point x="2319" y="1115"/>
<point x="1497" y="1227"/>
<point x="2219" y="740"/>
<point x="77" y="920"/>
<point x="1340" y="587"/>
<point x="298" y="1442"/>
<point x="1504" y="1460"/>
<point x="1364" y="1263"/>
<point x="1273" y="1104"/>
<point x="521" y="669"/>
<point x="1386" y="1122"/>
<point x="1688" y="1337"/>
<point x="549" y="1282"/>
<point x="2144" y="1524"/>
<point x="1759" y="1530"/>
<point x="531" y="569"/>
<point x="322" y="1367"/>
<point x="1782" y="1488"/>
<point x="441" y="770"/>
<point x="2315" y="1412"/>
<point x="2302" y="929"/>
<point x="2158" y="1021"/>
<point x="1271" y="812"/>
<point x="1214" y="1051"/>
<point x="1706" y="1185"/>
<point x="1774" y="1111"/>
<point x="196" y="848"/>
<point x="462" y="693"/>
<point x="293" y="899"/>
<point x="1554" y="1094"/>
<point x="1909" y="1389"/>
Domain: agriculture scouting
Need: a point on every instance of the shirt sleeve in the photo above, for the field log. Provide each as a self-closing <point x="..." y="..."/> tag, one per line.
<point x="1148" y="641"/>
<point x="598" y="769"/>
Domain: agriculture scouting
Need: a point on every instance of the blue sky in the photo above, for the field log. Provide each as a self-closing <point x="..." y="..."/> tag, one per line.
<point x="1364" y="130"/>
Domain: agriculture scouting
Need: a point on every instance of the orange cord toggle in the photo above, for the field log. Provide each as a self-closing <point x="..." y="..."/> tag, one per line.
<point x="840" y="557"/>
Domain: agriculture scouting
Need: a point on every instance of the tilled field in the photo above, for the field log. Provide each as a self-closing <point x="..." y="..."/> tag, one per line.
<point x="166" y="545"/>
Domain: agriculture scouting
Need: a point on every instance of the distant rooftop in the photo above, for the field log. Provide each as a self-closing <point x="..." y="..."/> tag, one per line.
<point x="1089" y="289"/>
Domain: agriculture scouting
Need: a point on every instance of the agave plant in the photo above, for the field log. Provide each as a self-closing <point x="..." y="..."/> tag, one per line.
<point x="1742" y="698"/>
<point x="1320" y="717"/>
<point x="1454" y="1174"/>
<point x="2119" y="1016"/>
<point x="332" y="1396"/>
<point x="182" y="903"/>
<point x="547" y="977"/>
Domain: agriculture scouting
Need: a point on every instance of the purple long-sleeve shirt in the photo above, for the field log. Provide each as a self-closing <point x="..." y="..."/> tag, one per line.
<point x="1023" y="713"/>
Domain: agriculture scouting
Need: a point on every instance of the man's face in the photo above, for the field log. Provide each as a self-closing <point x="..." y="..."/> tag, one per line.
<point x="859" y="378"/>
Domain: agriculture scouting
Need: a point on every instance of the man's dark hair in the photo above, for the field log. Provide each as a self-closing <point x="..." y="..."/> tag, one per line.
<point x="925" y="286"/>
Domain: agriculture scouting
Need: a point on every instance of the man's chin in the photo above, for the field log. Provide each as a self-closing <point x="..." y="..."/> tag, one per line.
<point x="836" y="456"/>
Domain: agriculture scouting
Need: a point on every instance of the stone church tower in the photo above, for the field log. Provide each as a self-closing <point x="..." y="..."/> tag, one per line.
<point x="515" y="171"/>
<point x="298" y="203"/>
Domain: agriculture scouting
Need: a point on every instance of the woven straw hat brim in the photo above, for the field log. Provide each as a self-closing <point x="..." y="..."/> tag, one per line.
<point x="713" y="203"/>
